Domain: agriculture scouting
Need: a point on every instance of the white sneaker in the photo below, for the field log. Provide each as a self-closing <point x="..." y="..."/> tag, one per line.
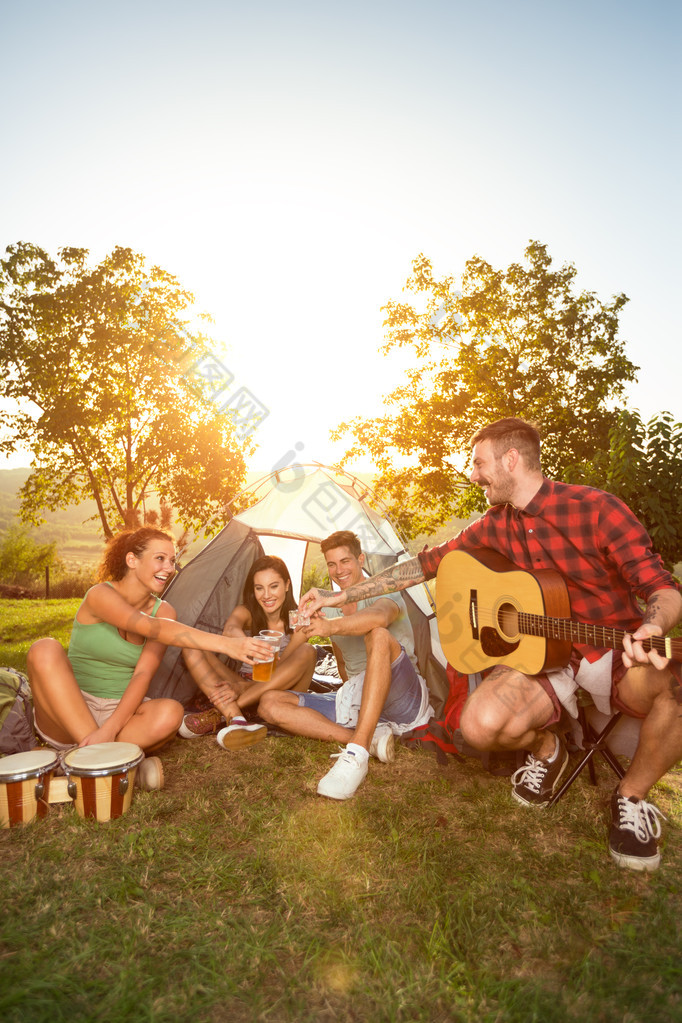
<point x="345" y="777"/>
<point x="383" y="744"/>
<point x="236" y="736"/>
<point x="327" y="666"/>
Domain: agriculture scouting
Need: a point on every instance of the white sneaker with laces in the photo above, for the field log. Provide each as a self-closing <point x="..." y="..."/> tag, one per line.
<point x="345" y="777"/>
<point x="383" y="744"/>
<point x="327" y="666"/>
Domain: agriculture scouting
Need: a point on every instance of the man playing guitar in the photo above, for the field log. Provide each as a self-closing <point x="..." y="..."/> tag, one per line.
<point x="605" y="556"/>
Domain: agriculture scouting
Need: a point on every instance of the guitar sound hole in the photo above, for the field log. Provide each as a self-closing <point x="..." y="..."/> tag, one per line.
<point x="508" y="621"/>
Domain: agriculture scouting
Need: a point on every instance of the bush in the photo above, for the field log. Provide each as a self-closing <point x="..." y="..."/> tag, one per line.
<point x="23" y="564"/>
<point x="314" y="576"/>
<point x="73" y="584"/>
<point x="23" y="561"/>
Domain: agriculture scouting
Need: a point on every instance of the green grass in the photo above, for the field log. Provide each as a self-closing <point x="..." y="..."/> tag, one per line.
<point x="237" y="894"/>
<point x="24" y="621"/>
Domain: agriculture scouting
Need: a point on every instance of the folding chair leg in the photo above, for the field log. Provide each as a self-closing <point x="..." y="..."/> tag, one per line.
<point x="593" y="744"/>
<point x="588" y="737"/>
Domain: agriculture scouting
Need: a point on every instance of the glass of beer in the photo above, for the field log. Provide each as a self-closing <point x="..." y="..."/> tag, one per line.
<point x="262" y="670"/>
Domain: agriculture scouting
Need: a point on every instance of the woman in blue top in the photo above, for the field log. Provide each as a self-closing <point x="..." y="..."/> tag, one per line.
<point x="97" y="691"/>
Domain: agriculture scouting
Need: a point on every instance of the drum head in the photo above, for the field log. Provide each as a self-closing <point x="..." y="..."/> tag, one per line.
<point x="27" y="765"/>
<point x="102" y="757"/>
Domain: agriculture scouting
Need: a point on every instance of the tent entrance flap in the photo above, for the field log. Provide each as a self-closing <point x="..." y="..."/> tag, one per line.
<point x="204" y="595"/>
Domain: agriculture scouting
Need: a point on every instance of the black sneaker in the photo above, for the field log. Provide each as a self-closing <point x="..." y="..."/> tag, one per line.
<point x="535" y="782"/>
<point x="635" y="828"/>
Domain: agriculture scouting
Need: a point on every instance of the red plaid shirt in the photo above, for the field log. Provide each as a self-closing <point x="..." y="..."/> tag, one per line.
<point x="589" y="536"/>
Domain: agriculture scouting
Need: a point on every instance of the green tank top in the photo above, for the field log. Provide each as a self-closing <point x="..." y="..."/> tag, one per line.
<point x="102" y="661"/>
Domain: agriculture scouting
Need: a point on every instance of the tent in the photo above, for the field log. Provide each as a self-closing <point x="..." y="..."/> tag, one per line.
<point x="204" y="593"/>
<point x="286" y="511"/>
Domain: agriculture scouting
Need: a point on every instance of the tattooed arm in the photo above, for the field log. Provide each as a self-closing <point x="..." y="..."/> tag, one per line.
<point x="397" y="577"/>
<point x="663" y="612"/>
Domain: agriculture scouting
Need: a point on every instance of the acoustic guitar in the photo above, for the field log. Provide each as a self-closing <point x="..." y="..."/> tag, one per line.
<point x="491" y="612"/>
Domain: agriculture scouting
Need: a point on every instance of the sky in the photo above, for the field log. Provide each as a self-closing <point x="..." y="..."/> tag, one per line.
<point x="287" y="162"/>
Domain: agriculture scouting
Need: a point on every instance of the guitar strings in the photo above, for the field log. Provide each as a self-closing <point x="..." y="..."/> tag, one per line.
<point x="526" y="624"/>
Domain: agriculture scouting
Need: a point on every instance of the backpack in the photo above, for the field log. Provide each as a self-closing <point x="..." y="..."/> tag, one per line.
<point x="16" y="713"/>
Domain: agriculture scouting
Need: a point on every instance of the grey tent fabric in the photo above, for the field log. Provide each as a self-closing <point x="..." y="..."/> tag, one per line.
<point x="204" y="594"/>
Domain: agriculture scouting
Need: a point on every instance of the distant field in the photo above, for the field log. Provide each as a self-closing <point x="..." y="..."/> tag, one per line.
<point x="78" y="540"/>
<point x="74" y="530"/>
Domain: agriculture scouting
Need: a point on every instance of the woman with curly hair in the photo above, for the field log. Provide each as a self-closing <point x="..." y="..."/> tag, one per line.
<point x="96" y="692"/>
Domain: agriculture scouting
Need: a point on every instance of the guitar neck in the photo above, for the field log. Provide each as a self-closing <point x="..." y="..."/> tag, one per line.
<point x="593" y="635"/>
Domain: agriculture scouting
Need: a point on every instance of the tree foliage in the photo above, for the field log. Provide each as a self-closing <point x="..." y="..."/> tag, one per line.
<point x="22" y="559"/>
<point x="643" y="466"/>
<point x="515" y="342"/>
<point x="95" y="364"/>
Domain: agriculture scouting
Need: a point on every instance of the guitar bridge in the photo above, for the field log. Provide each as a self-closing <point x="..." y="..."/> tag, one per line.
<point x="473" y="613"/>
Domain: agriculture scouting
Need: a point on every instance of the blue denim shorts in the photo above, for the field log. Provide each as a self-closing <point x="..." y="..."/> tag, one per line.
<point x="402" y="703"/>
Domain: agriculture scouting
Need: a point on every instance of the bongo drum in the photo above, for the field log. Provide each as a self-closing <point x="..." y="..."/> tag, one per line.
<point x="101" y="778"/>
<point x="25" y="785"/>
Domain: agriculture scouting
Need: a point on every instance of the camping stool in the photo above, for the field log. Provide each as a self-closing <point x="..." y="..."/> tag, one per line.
<point x="592" y="743"/>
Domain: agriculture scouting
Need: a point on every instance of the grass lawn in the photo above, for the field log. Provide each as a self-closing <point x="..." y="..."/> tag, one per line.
<point x="24" y="621"/>
<point x="237" y="894"/>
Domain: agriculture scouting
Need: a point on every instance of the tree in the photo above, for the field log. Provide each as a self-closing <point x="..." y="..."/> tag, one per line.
<point x="23" y="560"/>
<point x="518" y="342"/>
<point x="643" y="466"/>
<point x="97" y="360"/>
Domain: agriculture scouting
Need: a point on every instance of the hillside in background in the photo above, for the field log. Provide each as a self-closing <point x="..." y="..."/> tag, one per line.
<point x="78" y="540"/>
<point x="75" y="530"/>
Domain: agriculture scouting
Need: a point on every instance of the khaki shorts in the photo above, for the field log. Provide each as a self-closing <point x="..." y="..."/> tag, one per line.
<point x="600" y="678"/>
<point x="101" y="709"/>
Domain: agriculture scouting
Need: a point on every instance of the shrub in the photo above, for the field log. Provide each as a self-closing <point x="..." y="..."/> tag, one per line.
<point x="23" y="561"/>
<point x="73" y="584"/>
<point x="314" y="576"/>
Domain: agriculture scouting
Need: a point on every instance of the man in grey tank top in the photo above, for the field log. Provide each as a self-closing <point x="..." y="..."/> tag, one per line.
<point x="383" y="694"/>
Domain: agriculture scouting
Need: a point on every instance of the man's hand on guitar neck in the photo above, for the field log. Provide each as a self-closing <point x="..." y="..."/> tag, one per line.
<point x="663" y="612"/>
<point x="634" y="653"/>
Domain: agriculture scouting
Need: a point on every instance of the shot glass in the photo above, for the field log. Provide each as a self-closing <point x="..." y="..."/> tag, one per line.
<point x="297" y="618"/>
